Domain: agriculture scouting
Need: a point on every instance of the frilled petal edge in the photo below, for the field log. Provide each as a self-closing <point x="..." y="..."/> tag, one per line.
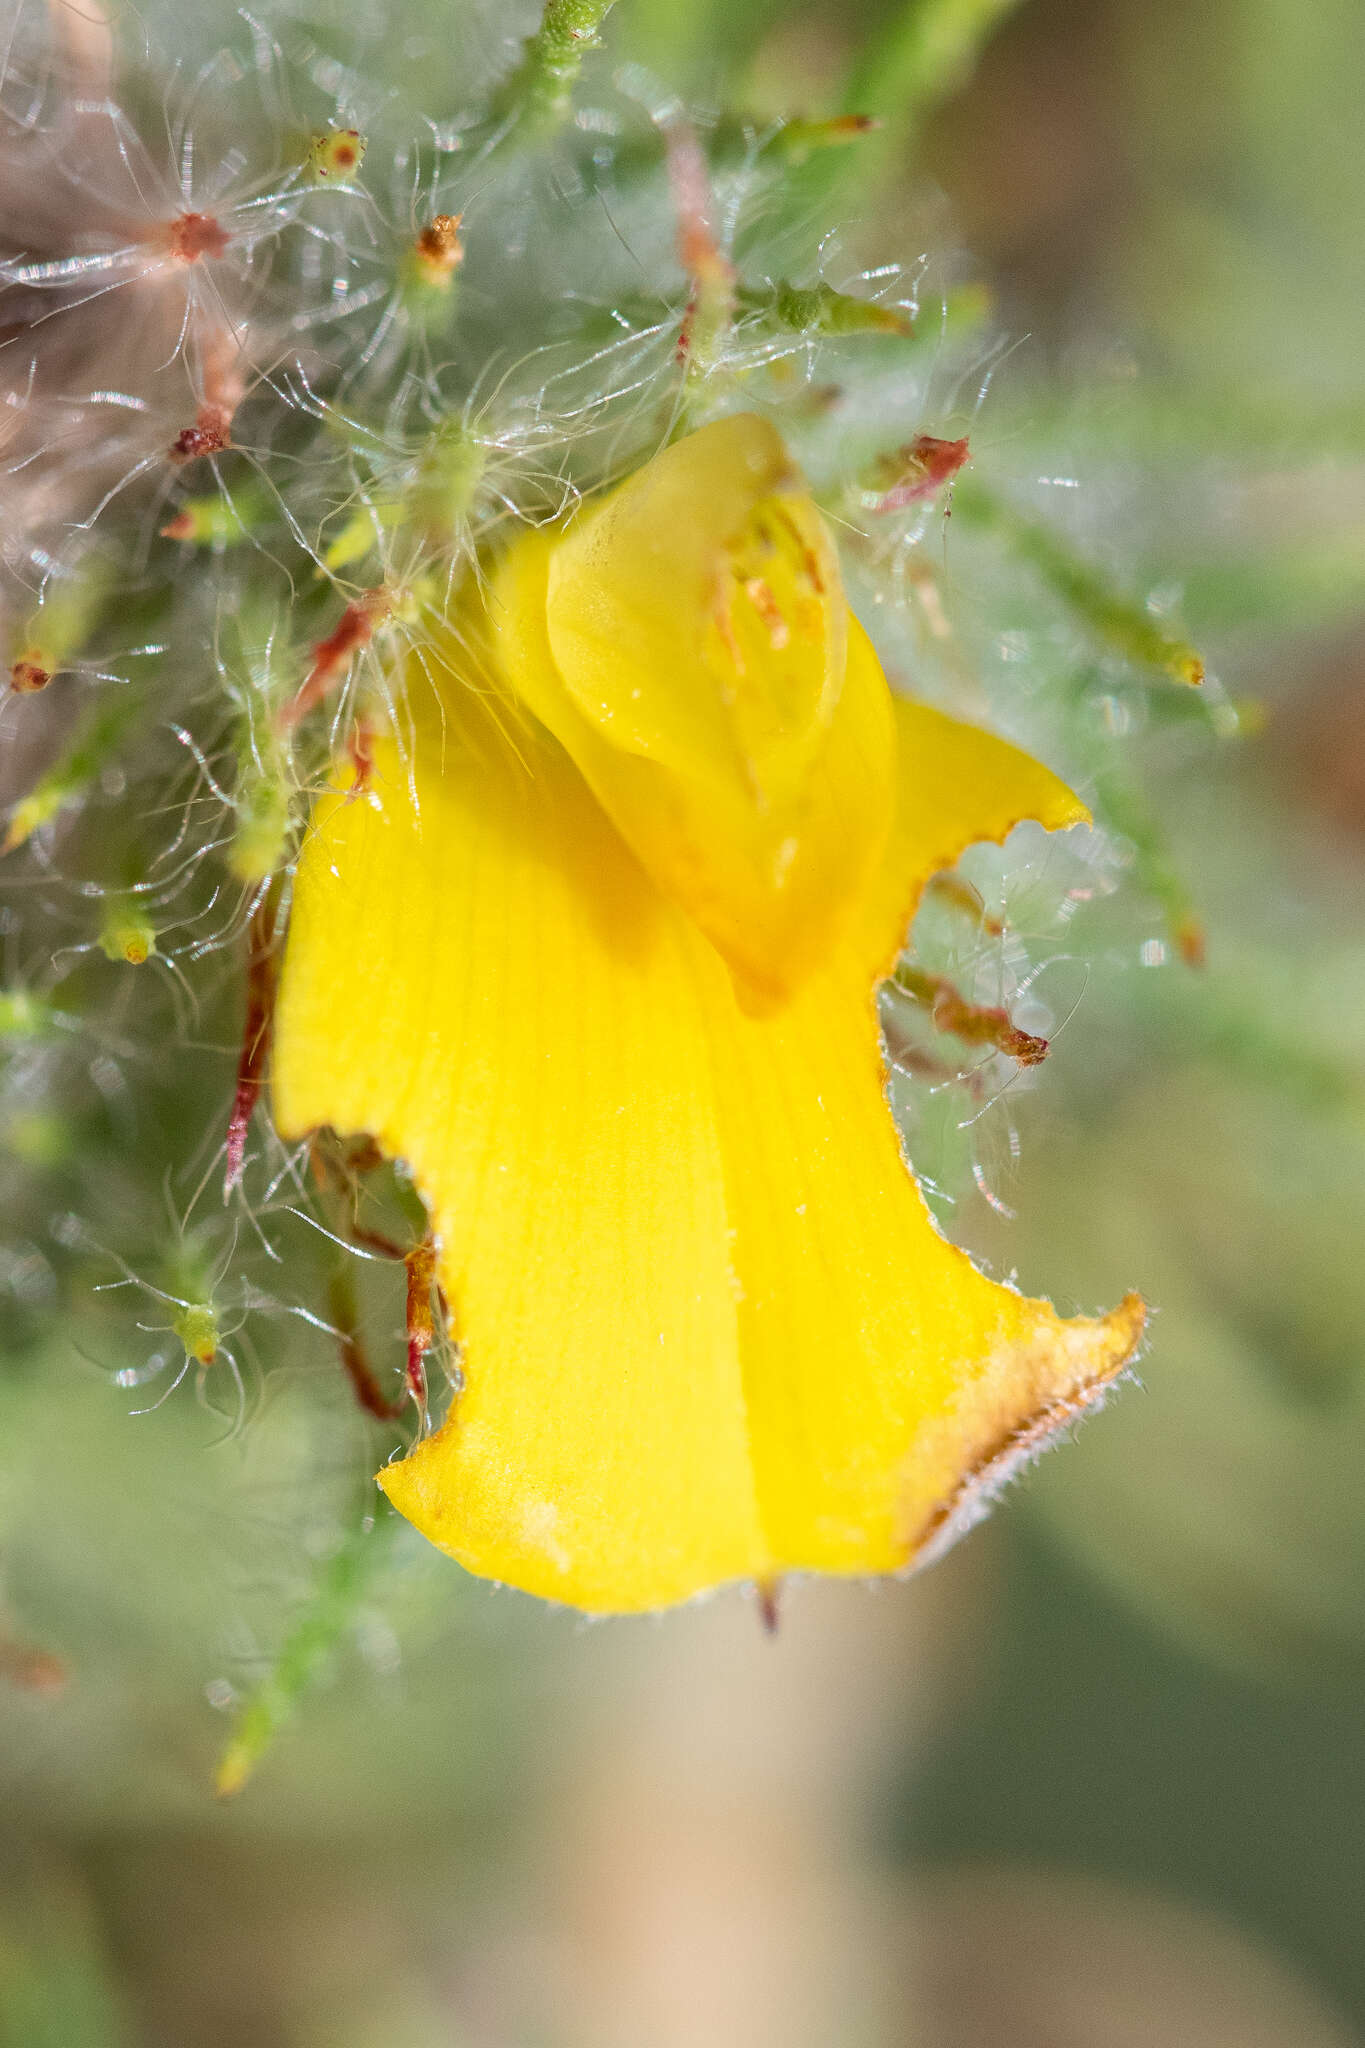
<point x="709" y="1331"/>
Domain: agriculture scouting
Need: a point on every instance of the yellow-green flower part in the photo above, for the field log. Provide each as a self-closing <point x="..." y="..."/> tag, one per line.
<point x="597" y="955"/>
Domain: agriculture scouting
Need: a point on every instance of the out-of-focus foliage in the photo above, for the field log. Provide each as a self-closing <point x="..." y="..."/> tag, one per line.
<point x="1161" y="1679"/>
<point x="1228" y="1108"/>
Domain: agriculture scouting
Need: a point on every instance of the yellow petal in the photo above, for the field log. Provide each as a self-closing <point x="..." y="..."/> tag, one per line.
<point x="896" y="1384"/>
<point x="687" y="640"/>
<point x="709" y="1331"/>
<point x="713" y="552"/>
<point x="955" y="785"/>
<point x="493" y="989"/>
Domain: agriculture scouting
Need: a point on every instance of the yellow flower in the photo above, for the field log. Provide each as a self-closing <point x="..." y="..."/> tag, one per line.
<point x="597" y="955"/>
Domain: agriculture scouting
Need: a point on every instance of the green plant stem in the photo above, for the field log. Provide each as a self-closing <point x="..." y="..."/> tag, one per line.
<point x="925" y="52"/>
<point x="537" y="96"/>
<point x="820" y="309"/>
<point x="1123" y="807"/>
<point x="1116" y="620"/>
<point x="328" y="1614"/>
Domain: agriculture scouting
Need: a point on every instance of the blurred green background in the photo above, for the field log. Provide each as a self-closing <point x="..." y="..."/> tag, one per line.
<point x="1100" y="1777"/>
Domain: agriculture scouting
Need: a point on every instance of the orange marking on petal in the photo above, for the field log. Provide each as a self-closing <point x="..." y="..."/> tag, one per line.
<point x="759" y="593"/>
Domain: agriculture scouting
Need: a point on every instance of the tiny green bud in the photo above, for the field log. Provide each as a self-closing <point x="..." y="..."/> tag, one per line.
<point x="426" y="274"/>
<point x="216" y="520"/>
<point x="22" y="1014"/>
<point x="32" y="811"/>
<point x="55" y="631"/>
<point x="95" y="742"/>
<point x="197" y="1328"/>
<point x="799" y="139"/>
<point x="36" y="1137"/>
<point x="820" y="309"/>
<point x="127" y="934"/>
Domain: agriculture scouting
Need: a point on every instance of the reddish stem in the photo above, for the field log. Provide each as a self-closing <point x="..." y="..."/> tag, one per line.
<point x="960" y="895"/>
<point x="919" y="469"/>
<point x="420" y="1265"/>
<point x="421" y="1270"/>
<point x="262" y="976"/>
<point x="712" y="275"/>
<point x="977" y="1023"/>
<point x="332" y="655"/>
<point x="359" y="1371"/>
<point x="360" y="747"/>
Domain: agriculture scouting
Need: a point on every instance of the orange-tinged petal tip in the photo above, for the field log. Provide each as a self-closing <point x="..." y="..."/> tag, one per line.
<point x="1027" y="1397"/>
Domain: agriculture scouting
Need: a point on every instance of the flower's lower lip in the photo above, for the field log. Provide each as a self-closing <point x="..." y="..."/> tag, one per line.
<point x="709" y="1331"/>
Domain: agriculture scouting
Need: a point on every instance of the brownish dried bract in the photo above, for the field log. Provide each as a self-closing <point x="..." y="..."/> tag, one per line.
<point x="916" y="471"/>
<point x="210" y="435"/>
<point x="976" y="1023"/>
<point x="438" y="249"/>
<point x="195" y="235"/>
<point x="29" y="673"/>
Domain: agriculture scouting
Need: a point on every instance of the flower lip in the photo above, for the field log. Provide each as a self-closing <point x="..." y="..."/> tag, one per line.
<point x="712" y="559"/>
<point x="687" y="640"/>
<point x="708" y="1330"/>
